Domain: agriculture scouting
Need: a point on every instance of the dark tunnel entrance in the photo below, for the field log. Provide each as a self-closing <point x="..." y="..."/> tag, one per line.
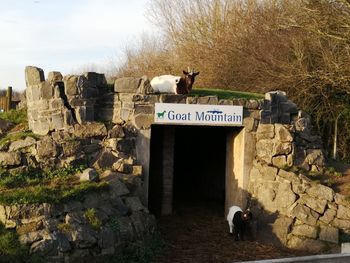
<point x="197" y="155"/>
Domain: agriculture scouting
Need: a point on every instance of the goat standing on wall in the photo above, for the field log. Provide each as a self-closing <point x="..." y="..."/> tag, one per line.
<point x="174" y="84"/>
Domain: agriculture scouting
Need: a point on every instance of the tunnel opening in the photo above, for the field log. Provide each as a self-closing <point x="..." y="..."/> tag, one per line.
<point x="188" y="167"/>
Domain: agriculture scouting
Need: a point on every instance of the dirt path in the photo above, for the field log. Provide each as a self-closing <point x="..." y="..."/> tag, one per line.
<point x="199" y="233"/>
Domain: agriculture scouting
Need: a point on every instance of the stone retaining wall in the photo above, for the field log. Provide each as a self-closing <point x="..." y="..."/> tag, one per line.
<point x="307" y="214"/>
<point x="63" y="232"/>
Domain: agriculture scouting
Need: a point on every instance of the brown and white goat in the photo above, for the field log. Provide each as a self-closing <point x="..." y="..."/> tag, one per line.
<point x="174" y="84"/>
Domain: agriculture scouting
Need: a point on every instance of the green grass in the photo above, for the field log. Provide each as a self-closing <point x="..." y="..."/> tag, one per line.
<point x="91" y="217"/>
<point x="10" y="248"/>
<point x="14" y="116"/>
<point x="225" y="94"/>
<point x="11" y="137"/>
<point x="38" y="186"/>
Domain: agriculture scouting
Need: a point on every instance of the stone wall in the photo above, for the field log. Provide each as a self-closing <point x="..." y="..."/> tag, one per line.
<point x="63" y="232"/>
<point x="58" y="102"/>
<point x="306" y="214"/>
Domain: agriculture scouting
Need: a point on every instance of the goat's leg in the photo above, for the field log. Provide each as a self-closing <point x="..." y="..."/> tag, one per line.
<point x="231" y="227"/>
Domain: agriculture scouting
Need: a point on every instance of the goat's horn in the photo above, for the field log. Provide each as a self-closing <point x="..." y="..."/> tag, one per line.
<point x="188" y="69"/>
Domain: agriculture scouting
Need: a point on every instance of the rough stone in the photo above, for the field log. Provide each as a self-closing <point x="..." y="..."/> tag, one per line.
<point x="301" y="243"/>
<point x="10" y="159"/>
<point x="320" y="191"/>
<point x="88" y="130"/>
<point x="84" y="237"/>
<point x="285" y="197"/>
<point x="127" y="85"/>
<point x="282" y="133"/>
<point x="105" y="160"/>
<point x="16" y="145"/>
<point x="318" y="205"/>
<point x="71" y="85"/>
<point x="117" y="186"/>
<point x="328" y="216"/>
<point x="265" y="131"/>
<point x="341" y="223"/>
<point x="89" y="175"/>
<point x="54" y="76"/>
<point x="46" y="148"/>
<point x="343" y="212"/>
<point x="305" y="231"/>
<point x="329" y="234"/>
<point x="280" y="161"/>
<point x="134" y="203"/>
<point x="304" y="214"/>
<point x="34" y="75"/>
<point x="282" y="227"/>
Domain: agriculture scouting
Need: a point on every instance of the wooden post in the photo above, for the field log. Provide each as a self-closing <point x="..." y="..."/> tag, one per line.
<point x="9" y="98"/>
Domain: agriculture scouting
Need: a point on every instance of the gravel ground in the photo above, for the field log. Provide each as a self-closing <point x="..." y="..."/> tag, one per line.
<point x="199" y="233"/>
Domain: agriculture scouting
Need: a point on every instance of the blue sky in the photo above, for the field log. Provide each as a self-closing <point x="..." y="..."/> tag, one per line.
<point x="66" y="35"/>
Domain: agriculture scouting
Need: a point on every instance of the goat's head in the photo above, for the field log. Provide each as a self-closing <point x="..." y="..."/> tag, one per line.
<point x="189" y="77"/>
<point x="247" y="215"/>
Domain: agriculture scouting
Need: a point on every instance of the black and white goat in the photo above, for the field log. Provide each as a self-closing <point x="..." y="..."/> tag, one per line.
<point x="237" y="221"/>
<point x="174" y="84"/>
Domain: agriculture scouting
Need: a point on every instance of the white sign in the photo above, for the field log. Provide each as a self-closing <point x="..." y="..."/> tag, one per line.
<point x="172" y="113"/>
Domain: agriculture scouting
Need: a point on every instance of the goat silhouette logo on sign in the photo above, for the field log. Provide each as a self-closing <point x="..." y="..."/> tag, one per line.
<point x="160" y="115"/>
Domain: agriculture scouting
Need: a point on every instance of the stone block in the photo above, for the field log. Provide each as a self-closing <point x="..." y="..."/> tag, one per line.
<point x="276" y="96"/>
<point x="305" y="231"/>
<point x="280" y="161"/>
<point x="57" y="122"/>
<point x="172" y="98"/>
<point x="143" y="121"/>
<point x="265" y="131"/>
<point x="33" y="93"/>
<point x="127" y="85"/>
<point x="288" y="107"/>
<point x="264" y="150"/>
<point x="54" y="76"/>
<point x="46" y="148"/>
<point x="209" y="100"/>
<point x="134" y="204"/>
<point x="46" y="90"/>
<point x="10" y="159"/>
<point x="343" y="212"/>
<point x="20" y="144"/>
<point x="89" y="175"/>
<point x="321" y="191"/>
<point x="281" y="228"/>
<point x="315" y="246"/>
<point x="104" y="160"/>
<point x="96" y="79"/>
<point x="318" y="205"/>
<point x="137" y="170"/>
<point x="329" y="234"/>
<point x="283" y="133"/>
<point x="33" y="75"/>
<point x="144" y="109"/>
<point x="220" y="102"/>
<point x="56" y="104"/>
<point x="252" y="104"/>
<point x="305" y="214"/>
<point x="341" y="223"/>
<point x="71" y="85"/>
<point x="90" y="130"/>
